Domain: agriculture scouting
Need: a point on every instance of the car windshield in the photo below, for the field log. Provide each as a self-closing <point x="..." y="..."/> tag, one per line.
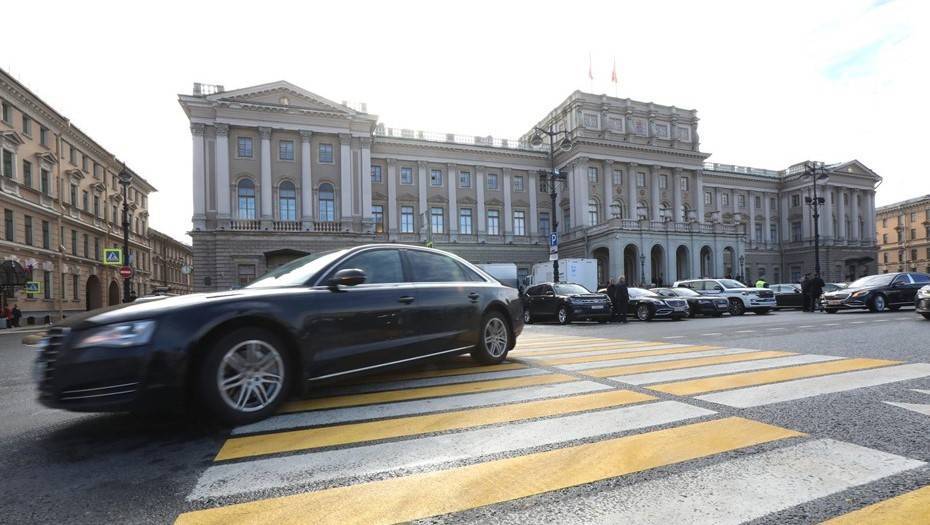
<point x="297" y="272"/>
<point x="685" y="292"/>
<point x="730" y="283"/>
<point x="640" y="292"/>
<point x="569" y="289"/>
<point x="873" y="280"/>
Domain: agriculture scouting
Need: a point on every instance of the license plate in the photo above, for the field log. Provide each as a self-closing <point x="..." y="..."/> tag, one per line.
<point x="598" y="307"/>
<point x="834" y="302"/>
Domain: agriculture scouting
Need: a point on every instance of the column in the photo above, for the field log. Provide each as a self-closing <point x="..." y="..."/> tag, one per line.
<point x="306" y="182"/>
<point x="827" y="234"/>
<point x="581" y="193"/>
<point x="608" y="199"/>
<point x="479" y="208"/>
<point x="572" y="204"/>
<point x="752" y="219"/>
<point x="453" y="180"/>
<point x="345" y="176"/>
<point x="767" y="212"/>
<point x="266" y="190"/>
<point x="631" y="190"/>
<point x="718" y="204"/>
<point x="392" y="198"/>
<point x="807" y="228"/>
<point x="654" y="187"/>
<point x="854" y="216"/>
<point x="222" y="171"/>
<point x="785" y="228"/>
<point x="508" y="208"/>
<point x="422" y="209"/>
<point x="533" y="190"/>
<point x="365" y="158"/>
<point x="841" y="214"/>
<point x="699" y="194"/>
<point x="676" y="196"/>
<point x="200" y="183"/>
<point x="869" y="218"/>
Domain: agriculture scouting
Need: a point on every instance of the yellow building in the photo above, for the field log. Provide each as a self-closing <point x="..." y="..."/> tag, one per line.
<point x="172" y="264"/>
<point x="903" y="231"/>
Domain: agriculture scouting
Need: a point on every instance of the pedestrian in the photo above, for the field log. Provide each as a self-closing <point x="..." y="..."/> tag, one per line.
<point x="611" y="293"/>
<point x="621" y="298"/>
<point x="806" y="292"/>
<point x="17" y="315"/>
<point x="815" y="288"/>
<point x="8" y="315"/>
<point x="761" y="283"/>
<point x="659" y="281"/>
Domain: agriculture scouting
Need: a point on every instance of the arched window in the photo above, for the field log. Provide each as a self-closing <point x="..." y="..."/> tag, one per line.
<point x="616" y="210"/>
<point x="327" y="202"/>
<point x="642" y="210"/>
<point x="665" y="212"/>
<point x="593" y="212"/>
<point x="246" y="194"/>
<point x="287" y="201"/>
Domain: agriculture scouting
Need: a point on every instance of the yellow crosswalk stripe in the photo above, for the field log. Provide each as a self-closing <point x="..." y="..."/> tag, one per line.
<point x="911" y="508"/>
<point x="439" y="372"/>
<point x="572" y="349"/>
<point x="562" y="341"/>
<point x="621" y="355"/>
<point x="424" y="392"/>
<point x="441" y="492"/>
<point x="711" y="384"/>
<point x="682" y="363"/>
<point x="408" y="426"/>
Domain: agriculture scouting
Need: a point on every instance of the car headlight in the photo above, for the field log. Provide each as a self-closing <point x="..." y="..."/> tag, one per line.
<point x="860" y="293"/>
<point x="924" y="293"/>
<point x="119" y="335"/>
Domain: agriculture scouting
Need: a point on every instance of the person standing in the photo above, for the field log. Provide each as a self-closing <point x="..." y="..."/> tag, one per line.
<point x="621" y="298"/>
<point x="17" y="315"/>
<point x="611" y="291"/>
<point x="806" y="291"/>
<point x="815" y="288"/>
<point x="761" y="283"/>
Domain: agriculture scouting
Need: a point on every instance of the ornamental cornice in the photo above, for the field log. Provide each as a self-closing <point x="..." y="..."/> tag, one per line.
<point x="345" y="138"/>
<point x="197" y="129"/>
<point x="452" y="146"/>
<point x="306" y="135"/>
<point x="222" y="130"/>
<point x="264" y="132"/>
<point x="12" y="87"/>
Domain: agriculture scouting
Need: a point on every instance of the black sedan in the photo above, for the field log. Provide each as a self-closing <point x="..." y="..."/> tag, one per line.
<point x="241" y="353"/>
<point x="646" y="306"/>
<point x="877" y="293"/>
<point x="922" y="303"/>
<point x="565" y="303"/>
<point x="697" y="303"/>
<point x="787" y="295"/>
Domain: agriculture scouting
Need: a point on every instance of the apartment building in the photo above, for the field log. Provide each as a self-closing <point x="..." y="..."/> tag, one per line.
<point x="903" y="230"/>
<point x="172" y="264"/>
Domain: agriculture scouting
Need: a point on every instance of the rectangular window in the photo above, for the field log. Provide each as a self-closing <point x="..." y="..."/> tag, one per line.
<point x="566" y="219"/>
<point x="72" y="154"/>
<point x="7" y="113"/>
<point x="662" y="130"/>
<point x="7" y="164"/>
<point x="85" y="162"/>
<point x="376" y="174"/>
<point x="492" y="181"/>
<point x="640" y="179"/>
<point x="244" y="147"/>
<point x="406" y="219"/>
<point x="46" y="235"/>
<point x="592" y="175"/>
<point x="73" y="195"/>
<point x="86" y="245"/>
<point x="43" y="136"/>
<point x="543" y="184"/>
<point x="27" y="222"/>
<point x="464" y="179"/>
<point x="740" y="201"/>
<point x="663" y="182"/>
<point x="27" y="125"/>
<point x="796" y="231"/>
<point x="74" y="242"/>
<point x="615" y="124"/>
<point x="47" y="284"/>
<point x="435" y="219"/>
<point x="683" y="133"/>
<point x="44" y="182"/>
<point x="617" y="177"/>
<point x="884" y="238"/>
<point x="773" y="233"/>
<point x="884" y="223"/>
<point x="84" y="203"/>
<point x="96" y="206"/>
<point x="246" y="274"/>
<point x="27" y="173"/>
<point x="684" y="184"/>
<point x="96" y="249"/>
<point x="913" y="233"/>
<point x="406" y="175"/>
<point x="591" y="120"/>
<point x="435" y="178"/>
<point x="724" y="199"/>
<point x="544" y="226"/>
<point x="639" y="126"/>
<point x="377" y="215"/>
<point x="286" y="150"/>
<point x="758" y="201"/>
<point x="795" y="201"/>
<point x="465" y="221"/>
<point x="759" y="232"/>
<point x="8" y="225"/>
<point x="326" y="154"/>
<point x="494" y="222"/>
<point x="519" y="222"/>
<point x="518" y="183"/>
<point x="708" y="198"/>
<point x="914" y="216"/>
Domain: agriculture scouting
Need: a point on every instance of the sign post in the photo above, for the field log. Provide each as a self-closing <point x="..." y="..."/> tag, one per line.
<point x="553" y="246"/>
<point x="112" y="256"/>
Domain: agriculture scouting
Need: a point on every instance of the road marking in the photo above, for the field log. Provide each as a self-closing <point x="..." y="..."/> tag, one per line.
<point x="587" y="359"/>
<point x="774" y="329"/>
<point x="806" y="326"/>
<point x="264" y="444"/>
<point x="682" y="363"/>
<point x="880" y="321"/>
<point x="713" y="333"/>
<point x="419" y="393"/>
<point x="427" y="381"/>
<point x="550" y="341"/>
<point x="727" y="493"/>
<point x="441" y="492"/>
<point x="605" y="347"/>
<point x="857" y="322"/>
<point x="711" y="384"/>
<point x="832" y="324"/>
<point x="300" y="470"/>
<point x="913" y="407"/>
<point x="908" y="508"/>
<point x="744" y="331"/>
<point x="674" y="337"/>
<point x="701" y="371"/>
<point x="420" y="406"/>
<point x="574" y="352"/>
<point x="402" y="376"/>
<point x="653" y="359"/>
<point x="803" y="388"/>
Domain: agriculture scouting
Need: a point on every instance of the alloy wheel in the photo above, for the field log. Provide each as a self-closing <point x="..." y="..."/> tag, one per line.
<point x="495" y="337"/>
<point x="250" y="376"/>
<point x="563" y="315"/>
<point x="642" y="312"/>
<point x="527" y="318"/>
<point x="879" y="302"/>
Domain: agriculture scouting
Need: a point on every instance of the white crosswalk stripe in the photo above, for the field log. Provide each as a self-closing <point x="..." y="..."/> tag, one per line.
<point x="654" y="359"/>
<point x="703" y="371"/>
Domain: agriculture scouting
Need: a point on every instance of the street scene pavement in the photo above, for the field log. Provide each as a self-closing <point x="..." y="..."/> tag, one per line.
<point x="784" y="418"/>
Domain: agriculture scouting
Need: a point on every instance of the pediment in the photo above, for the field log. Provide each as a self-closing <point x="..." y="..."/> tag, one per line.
<point x="467" y="200"/>
<point x="406" y="197"/>
<point x="854" y="167"/>
<point x="283" y="94"/>
<point x="438" y="198"/>
<point x="13" y="138"/>
<point x="46" y="157"/>
<point x="494" y="202"/>
<point x="377" y="195"/>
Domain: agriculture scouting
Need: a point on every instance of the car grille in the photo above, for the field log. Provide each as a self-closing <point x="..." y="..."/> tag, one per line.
<point x="588" y="301"/>
<point x="766" y="294"/>
<point x="54" y="342"/>
<point x="676" y="303"/>
<point x="835" y="296"/>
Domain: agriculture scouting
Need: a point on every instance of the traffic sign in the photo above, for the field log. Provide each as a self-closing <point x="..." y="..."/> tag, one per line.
<point x="554" y="256"/>
<point x="126" y="272"/>
<point x="186" y="269"/>
<point x="553" y="239"/>
<point x="33" y="287"/>
<point x="112" y="256"/>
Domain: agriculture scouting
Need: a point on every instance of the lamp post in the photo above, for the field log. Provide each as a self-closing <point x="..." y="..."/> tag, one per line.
<point x="125" y="179"/>
<point x="742" y="267"/>
<point x="642" y="269"/>
<point x="553" y="177"/>
<point x="816" y="171"/>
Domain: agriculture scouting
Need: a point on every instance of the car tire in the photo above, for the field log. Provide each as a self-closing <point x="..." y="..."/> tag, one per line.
<point x="762" y="311"/>
<point x="878" y="304"/>
<point x="527" y="317"/>
<point x="260" y="361"/>
<point x="692" y="313"/>
<point x="926" y="316"/>
<point x="643" y="312"/>
<point x="737" y="307"/>
<point x="830" y="310"/>
<point x="494" y="339"/>
<point x="563" y="316"/>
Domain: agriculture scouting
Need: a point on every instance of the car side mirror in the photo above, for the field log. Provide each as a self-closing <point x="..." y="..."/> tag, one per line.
<point x="346" y="277"/>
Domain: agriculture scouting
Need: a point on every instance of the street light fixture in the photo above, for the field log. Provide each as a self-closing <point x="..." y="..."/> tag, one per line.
<point x="816" y="172"/>
<point x="553" y="177"/>
<point x="125" y="179"/>
<point x="642" y="268"/>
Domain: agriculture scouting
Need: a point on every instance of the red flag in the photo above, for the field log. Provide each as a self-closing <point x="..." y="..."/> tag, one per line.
<point x="613" y="75"/>
<point x="590" y="71"/>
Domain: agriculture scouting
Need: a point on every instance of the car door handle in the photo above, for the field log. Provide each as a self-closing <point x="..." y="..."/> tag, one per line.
<point x="406" y="299"/>
<point x="473" y="296"/>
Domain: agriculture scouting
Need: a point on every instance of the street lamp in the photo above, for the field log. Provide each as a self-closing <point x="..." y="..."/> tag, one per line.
<point x="742" y="267"/>
<point x="816" y="172"/>
<point x="642" y="269"/>
<point x="553" y="177"/>
<point x="125" y="179"/>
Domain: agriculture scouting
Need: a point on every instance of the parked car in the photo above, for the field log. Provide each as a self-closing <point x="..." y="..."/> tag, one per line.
<point x="877" y="293"/>
<point x="787" y="295"/>
<point x="565" y="302"/>
<point x="241" y="353"/>
<point x="922" y="303"/>
<point x="646" y="306"/>
<point x="742" y="298"/>
<point x="697" y="303"/>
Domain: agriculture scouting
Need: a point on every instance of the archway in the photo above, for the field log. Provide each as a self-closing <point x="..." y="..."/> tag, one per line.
<point x="113" y="294"/>
<point x="657" y="265"/>
<point x="602" y="256"/>
<point x="682" y="263"/>
<point x="93" y="293"/>
<point x="707" y="262"/>
<point x="631" y="263"/>
<point x="729" y="263"/>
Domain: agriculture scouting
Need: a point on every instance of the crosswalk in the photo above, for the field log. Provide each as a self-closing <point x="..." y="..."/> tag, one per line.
<point x="561" y="413"/>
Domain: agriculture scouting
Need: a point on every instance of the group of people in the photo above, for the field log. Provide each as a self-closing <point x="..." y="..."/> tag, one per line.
<point x="12" y="316"/>
<point x="619" y="294"/>
<point x="811" y="288"/>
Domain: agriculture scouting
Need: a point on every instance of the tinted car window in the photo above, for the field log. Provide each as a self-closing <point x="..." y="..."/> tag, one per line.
<point x="901" y="279"/>
<point x="569" y="289"/>
<point x="428" y="267"/>
<point x="920" y="277"/>
<point x="380" y="266"/>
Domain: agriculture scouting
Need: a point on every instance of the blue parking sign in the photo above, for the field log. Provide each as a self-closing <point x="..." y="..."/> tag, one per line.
<point x="553" y="239"/>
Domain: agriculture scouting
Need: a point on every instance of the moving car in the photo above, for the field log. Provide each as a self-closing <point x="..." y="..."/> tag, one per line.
<point x="922" y="303"/>
<point x="787" y="295"/>
<point x="742" y="298"/>
<point x="565" y="302"/>
<point x="241" y="353"/>
<point x="646" y="306"/>
<point x="697" y="303"/>
<point x="877" y="293"/>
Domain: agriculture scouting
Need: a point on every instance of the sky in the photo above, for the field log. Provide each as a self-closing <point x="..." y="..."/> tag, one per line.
<point x="774" y="83"/>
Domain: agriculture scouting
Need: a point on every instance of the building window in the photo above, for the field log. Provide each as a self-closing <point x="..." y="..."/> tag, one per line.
<point x="8" y="164"/>
<point x="377" y="216"/>
<point x="913" y="255"/>
<point x="740" y="201"/>
<point x="662" y="131"/>
<point x="640" y="179"/>
<point x="519" y="222"/>
<point x="96" y="206"/>
<point x="590" y="120"/>
<point x="885" y="257"/>
<point x="492" y="181"/>
<point x="913" y="233"/>
<point x="96" y="249"/>
<point x="27" y="173"/>
<point x="7" y="114"/>
<point x="376" y="174"/>
<point x="642" y="211"/>
<point x="592" y="175"/>
<point x="640" y="126"/>
<point x="617" y="177"/>
<point x="43" y="181"/>
<point x="435" y="220"/>
<point x="684" y="184"/>
<point x="884" y="223"/>
<point x="758" y="201"/>
<point x="246" y="194"/>
<point x="665" y="212"/>
<point x="435" y="178"/>
<point x="708" y="198"/>
<point x="406" y="175"/>
<point x="616" y="210"/>
<point x="544" y="226"/>
<point x="913" y="216"/>
<point x="286" y="150"/>
<point x="287" y="201"/>
<point x="86" y="251"/>
<point x="244" y="147"/>
<point x="85" y="163"/>
<point x="47" y="284"/>
<point x="543" y="184"/>
<point x="494" y="225"/>
<point x="663" y="182"/>
<point x="593" y="212"/>
<point x="518" y="183"/>
<point x="759" y="232"/>
<point x="465" y="221"/>
<point x="74" y="287"/>
<point x="326" y="154"/>
<point x="724" y="199"/>
<point x="406" y="219"/>
<point x="74" y="195"/>
<point x="74" y="242"/>
<point x="796" y="231"/>
<point x="8" y="225"/>
<point x="327" y="202"/>
<point x="84" y="204"/>
<point x="46" y="236"/>
<point x="246" y="274"/>
<point x="683" y="133"/>
<point x="27" y="223"/>
<point x="43" y="136"/>
<point x="884" y="238"/>
<point x="795" y="201"/>
<point x="566" y="219"/>
<point x="464" y="179"/>
<point x="615" y="124"/>
<point x="27" y="125"/>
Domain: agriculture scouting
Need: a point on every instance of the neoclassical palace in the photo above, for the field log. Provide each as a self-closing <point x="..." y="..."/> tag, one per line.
<point x="279" y="172"/>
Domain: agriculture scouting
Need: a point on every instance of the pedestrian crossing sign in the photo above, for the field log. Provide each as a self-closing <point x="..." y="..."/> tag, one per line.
<point x="33" y="287"/>
<point x="113" y="257"/>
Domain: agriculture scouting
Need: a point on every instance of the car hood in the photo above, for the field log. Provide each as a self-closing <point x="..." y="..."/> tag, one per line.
<point x="847" y="291"/>
<point x="747" y="289"/>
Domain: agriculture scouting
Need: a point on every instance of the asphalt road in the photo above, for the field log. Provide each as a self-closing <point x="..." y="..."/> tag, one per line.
<point x="782" y="418"/>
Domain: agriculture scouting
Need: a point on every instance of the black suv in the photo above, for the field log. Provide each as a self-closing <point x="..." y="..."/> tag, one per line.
<point x="887" y="291"/>
<point x="565" y="303"/>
